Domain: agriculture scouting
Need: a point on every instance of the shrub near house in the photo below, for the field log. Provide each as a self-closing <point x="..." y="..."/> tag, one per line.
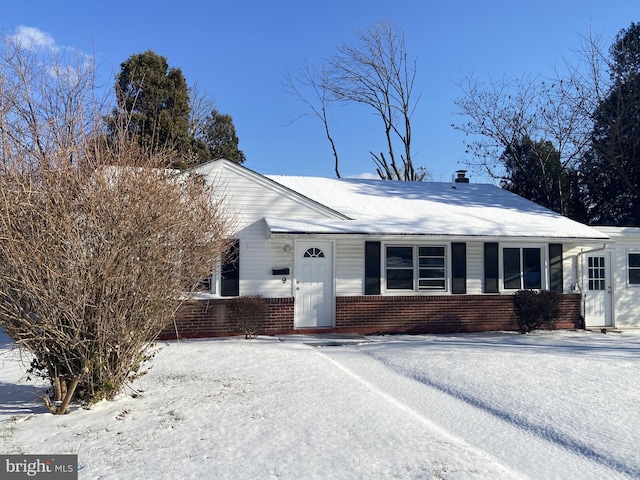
<point x="535" y="309"/>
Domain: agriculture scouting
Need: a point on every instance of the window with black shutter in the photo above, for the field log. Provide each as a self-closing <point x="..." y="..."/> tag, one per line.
<point x="555" y="267"/>
<point x="491" y="268"/>
<point x="230" y="272"/>
<point x="372" y="268"/>
<point x="459" y="268"/>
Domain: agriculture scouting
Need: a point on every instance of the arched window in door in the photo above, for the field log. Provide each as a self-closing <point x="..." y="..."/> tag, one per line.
<point x="313" y="252"/>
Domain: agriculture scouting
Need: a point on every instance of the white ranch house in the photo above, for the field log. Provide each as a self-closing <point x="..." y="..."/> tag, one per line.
<point x="366" y="256"/>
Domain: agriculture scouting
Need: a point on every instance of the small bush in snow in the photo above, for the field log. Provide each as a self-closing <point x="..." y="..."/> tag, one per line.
<point x="248" y="314"/>
<point x="535" y="310"/>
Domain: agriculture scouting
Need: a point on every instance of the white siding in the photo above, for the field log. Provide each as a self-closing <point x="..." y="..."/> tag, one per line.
<point x="349" y="269"/>
<point x="258" y="257"/>
<point x="626" y="297"/>
<point x="571" y="274"/>
<point x="250" y="197"/>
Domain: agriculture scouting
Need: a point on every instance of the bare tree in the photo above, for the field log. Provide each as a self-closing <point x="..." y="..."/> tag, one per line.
<point x="500" y="115"/>
<point x="317" y="81"/>
<point x="99" y="244"/>
<point x="373" y="70"/>
<point x="200" y="106"/>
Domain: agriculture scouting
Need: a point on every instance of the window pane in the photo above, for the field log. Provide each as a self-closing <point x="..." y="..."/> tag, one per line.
<point x="431" y="284"/>
<point x="634" y="269"/>
<point x="532" y="269"/>
<point x="431" y="251"/>
<point x="432" y="273"/>
<point x="399" y="257"/>
<point x="432" y="262"/>
<point x="230" y="274"/>
<point x="400" y="279"/>
<point x="511" y="261"/>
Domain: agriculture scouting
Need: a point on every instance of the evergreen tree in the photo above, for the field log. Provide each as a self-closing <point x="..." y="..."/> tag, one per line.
<point x="535" y="172"/>
<point x="217" y="138"/>
<point x="611" y="169"/>
<point x="155" y="110"/>
<point x="153" y="100"/>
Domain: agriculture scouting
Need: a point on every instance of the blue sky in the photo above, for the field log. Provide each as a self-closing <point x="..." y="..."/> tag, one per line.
<point x="238" y="52"/>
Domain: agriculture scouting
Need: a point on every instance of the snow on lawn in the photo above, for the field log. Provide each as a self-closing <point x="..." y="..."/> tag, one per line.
<point x="472" y="406"/>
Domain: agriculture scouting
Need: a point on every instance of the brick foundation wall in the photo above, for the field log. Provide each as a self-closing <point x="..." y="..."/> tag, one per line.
<point x="374" y="314"/>
<point x="208" y="318"/>
<point x="438" y="314"/>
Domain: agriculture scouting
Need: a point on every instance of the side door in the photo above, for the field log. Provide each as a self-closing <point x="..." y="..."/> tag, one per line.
<point x="598" y="294"/>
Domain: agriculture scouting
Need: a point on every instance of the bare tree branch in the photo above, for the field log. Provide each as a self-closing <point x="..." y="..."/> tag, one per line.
<point x="322" y="99"/>
<point x="374" y="70"/>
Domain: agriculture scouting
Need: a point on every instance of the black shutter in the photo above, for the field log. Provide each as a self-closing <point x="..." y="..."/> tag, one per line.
<point x="230" y="273"/>
<point x="459" y="268"/>
<point x="555" y="267"/>
<point x="372" y="268"/>
<point x="491" y="268"/>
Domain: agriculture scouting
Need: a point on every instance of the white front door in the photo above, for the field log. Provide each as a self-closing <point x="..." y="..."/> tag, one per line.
<point x="313" y="284"/>
<point x="598" y="290"/>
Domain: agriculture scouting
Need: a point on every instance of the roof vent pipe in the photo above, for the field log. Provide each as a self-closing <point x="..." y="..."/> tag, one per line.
<point x="461" y="176"/>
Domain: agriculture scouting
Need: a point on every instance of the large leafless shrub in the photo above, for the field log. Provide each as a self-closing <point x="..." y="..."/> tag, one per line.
<point x="99" y="243"/>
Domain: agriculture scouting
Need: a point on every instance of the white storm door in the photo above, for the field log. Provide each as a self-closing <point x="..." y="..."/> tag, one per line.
<point x="313" y="284"/>
<point x="598" y="290"/>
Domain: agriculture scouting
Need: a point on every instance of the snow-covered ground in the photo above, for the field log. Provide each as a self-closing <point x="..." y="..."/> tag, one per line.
<point x="561" y="405"/>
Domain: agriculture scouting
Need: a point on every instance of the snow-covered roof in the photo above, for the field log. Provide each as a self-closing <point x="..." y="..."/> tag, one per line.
<point x="424" y="208"/>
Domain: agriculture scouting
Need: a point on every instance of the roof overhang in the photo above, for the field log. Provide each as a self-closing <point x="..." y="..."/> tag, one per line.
<point x="283" y="226"/>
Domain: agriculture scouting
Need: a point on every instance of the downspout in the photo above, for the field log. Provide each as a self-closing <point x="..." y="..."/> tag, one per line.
<point x="583" y="299"/>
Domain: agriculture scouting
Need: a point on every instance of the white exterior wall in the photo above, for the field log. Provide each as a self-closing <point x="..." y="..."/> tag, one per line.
<point x="259" y="255"/>
<point x="349" y="270"/>
<point x="626" y="297"/>
<point x="249" y="197"/>
<point x="571" y="269"/>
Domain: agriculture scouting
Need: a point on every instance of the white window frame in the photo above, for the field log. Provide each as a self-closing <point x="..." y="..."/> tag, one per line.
<point x="629" y="268"/>
<point x="544" y="265"/>
<point x="416" y="269"/>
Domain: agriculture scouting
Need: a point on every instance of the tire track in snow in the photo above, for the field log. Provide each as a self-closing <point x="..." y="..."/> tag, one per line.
<point x="529" y="449"/>
<point x="544" y="432"/>
<point x="510" y="473"/>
